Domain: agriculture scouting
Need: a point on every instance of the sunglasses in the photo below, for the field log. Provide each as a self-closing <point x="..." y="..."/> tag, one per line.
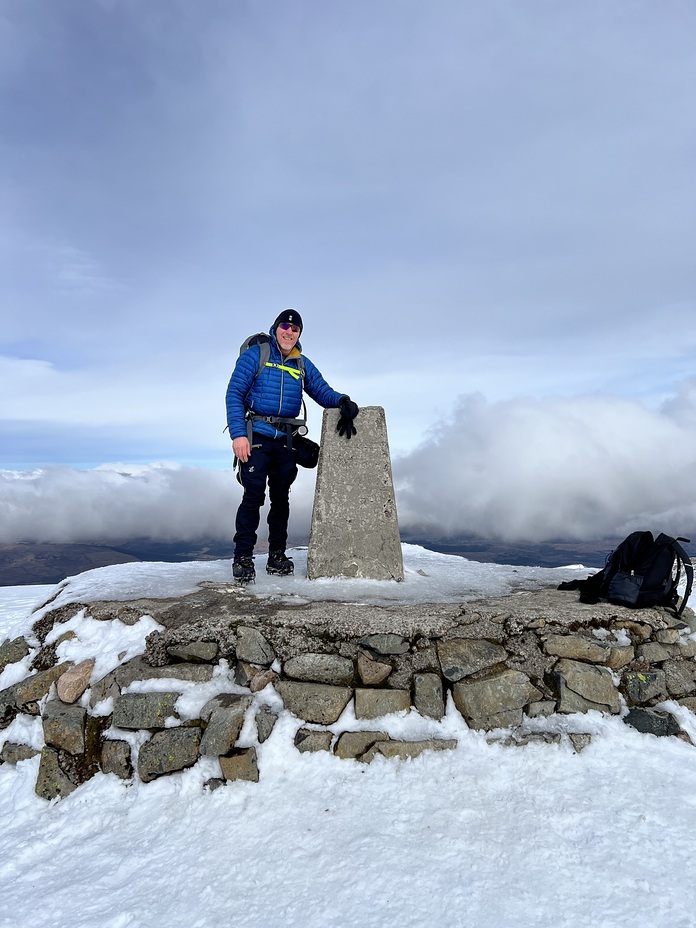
<point x="288" y="325"/>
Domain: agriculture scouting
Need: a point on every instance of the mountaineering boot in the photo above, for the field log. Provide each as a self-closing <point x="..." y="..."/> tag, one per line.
<point x="243" y="569"/>
<point x="278" y="563"/>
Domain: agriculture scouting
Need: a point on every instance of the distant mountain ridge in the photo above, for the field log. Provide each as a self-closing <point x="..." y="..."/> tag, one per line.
<point x="26" y="563"/>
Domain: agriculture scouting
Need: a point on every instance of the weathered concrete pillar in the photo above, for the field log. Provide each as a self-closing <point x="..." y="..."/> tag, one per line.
<point x="355" y="532"/>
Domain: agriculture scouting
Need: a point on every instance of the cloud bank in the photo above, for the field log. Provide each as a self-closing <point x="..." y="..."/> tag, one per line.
<point x="581" y="468"/>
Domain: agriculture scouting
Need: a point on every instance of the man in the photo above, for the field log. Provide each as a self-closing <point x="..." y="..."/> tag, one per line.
<point x="262" y="410"/>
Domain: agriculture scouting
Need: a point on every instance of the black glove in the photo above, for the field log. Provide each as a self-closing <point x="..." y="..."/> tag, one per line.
<point x="349" y="411"/>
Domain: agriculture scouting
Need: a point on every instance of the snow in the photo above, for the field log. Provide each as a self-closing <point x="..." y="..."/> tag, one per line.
<point x="485" y="835"/>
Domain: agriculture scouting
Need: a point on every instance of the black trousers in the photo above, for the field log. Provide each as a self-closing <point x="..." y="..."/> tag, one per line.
<point x="272" y="462"/>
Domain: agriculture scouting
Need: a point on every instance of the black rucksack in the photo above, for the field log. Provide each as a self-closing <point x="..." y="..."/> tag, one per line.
<point x="641" y="571"/>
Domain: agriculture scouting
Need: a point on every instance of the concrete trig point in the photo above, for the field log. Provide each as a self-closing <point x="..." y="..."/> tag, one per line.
<point x="355" y="531"/>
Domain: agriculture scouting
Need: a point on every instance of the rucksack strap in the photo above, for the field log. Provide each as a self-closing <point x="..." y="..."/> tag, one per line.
<point x="688" y="570"/>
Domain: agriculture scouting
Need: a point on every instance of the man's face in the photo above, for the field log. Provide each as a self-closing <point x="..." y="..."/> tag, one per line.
<point x="286" y="335"/>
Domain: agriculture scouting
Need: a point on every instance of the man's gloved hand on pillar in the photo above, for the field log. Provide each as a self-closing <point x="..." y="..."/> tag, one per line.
<point x="349" y="411"/>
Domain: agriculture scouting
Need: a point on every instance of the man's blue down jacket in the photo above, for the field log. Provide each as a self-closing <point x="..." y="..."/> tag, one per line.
<point x="275" y="392"/>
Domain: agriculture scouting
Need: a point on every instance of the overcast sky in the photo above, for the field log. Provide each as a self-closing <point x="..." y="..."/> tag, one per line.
<point x="485" y="212"/>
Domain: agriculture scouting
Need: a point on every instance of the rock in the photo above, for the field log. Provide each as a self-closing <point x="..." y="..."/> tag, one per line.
<point x="138" y="669"/>
<point x="582" y="687"/>
<point x="372" y="672"/>
<point x="14" y="753"/>
<point x="679" y="677"/>
<point x="461" y="657"/>
<point x="640" y="688"/>
<point x="168" y="752"/>
<point x="541" y="710"/>
<point x="222" y="701"/>
<point x="52" y="782"/>
<point x="687" y="649"/>
<point x="213" y="783"/>
<point x="486" y="703"/>
<point x="353" y="744"/>
<point x="407" y="750"/>
<point x="8" y="707"/>
<point x="653" y="653"/>
<point x="374" y="703"/>
<point x="689" y="702"/>
<point x="261" y="680"/>
<point x="314" y="702"/>
<point x="72" y="684"/>
<point x="320" y="668"/>
<point x="667" y="636"/>
<point x="620" y="656"/>
<point x="195" y="652"/>
<point x="64" y="726"/>
<point x="427" y="695"/>
<point x="579" y="740"/>
<point x="516" y="740"/>
<point x="652" y="722"/>
<point x="12" y="651"/>
<point x="144" y="710"/>
<point x="253" y="647"/>
<point x="244" y="673"/>
<point x="384" y="645"/>
<point x="308" y="740"/>
<point x="240" y="765"/>
<point x="223" y="728"/>
<point x="577" y="647"/>
<point x="116" y="759"/>
<point x="35" y="687"/>
<point x="265" y="722"/>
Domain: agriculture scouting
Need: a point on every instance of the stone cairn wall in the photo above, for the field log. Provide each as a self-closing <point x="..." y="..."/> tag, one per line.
<point x="503" y="661"/>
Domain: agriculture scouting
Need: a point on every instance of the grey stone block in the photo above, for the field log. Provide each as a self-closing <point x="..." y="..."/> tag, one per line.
<point x="374" y="703"/>
<point x="265" y="723"/>
<point x="240" y="765"/>
<point x="314" y="702"/>
<point x="224" y="726"/>
<point x="320" y="668"/>
<point x="541" y="710"/>
<point x="309" y="740"/>
<point x="428" y="698"/>
<point x="253" y="647"/>
<point x="500" y="693"/>
<point x="35" y="687"/>
<point x="582" y="687"/>
<point x="641" y="687"/>
<point x="12" y="651"/>
<point x="652" y="722"/>
<point x="384" y="645"/>
<point x="52" y="782"/>
<point x="144" y="710"/>
<point x="353" y="744"/>
<point x="116" y="759"/>
<point x="372" y="672"/>
<point x="168" y="752"/>
<point x="578" y="648"/>
<point x="407" y="750"/>
<point x="355" y="530"/>
<point x="64" y="726"/>
<point x="14" y="753"/>
<point x="461" y="657"/>
<point x="195" y="652"/>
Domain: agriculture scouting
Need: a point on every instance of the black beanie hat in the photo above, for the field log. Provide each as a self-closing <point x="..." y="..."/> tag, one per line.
<point x="288" y="315"/>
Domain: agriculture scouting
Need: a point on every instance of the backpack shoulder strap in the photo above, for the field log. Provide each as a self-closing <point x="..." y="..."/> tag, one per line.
<point x="688" y="570"/>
